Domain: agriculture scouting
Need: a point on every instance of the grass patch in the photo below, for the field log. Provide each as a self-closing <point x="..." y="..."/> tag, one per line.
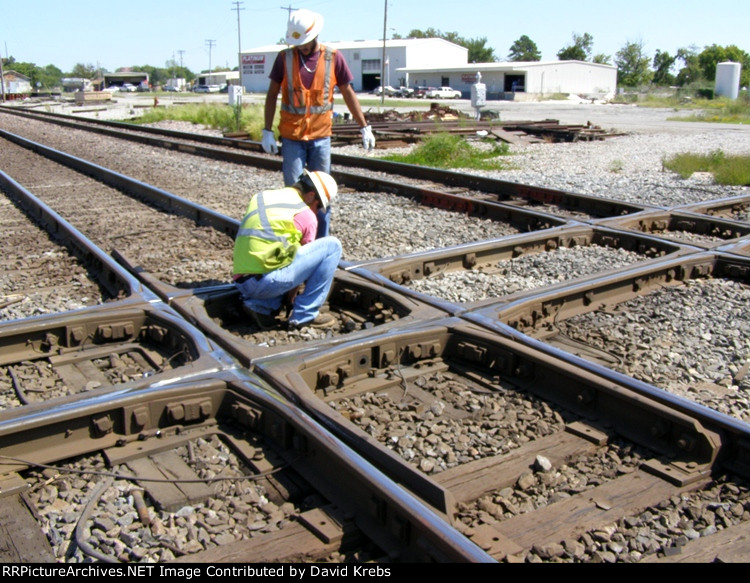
<point x="727" y="170"/>
<point x="449" y="151"/>
<point x="717" y="110"/>
<point x="732" y="112"/>
<point x="214" y="115"/>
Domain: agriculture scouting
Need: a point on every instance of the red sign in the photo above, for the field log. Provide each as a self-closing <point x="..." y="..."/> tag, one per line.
<point x="253" y="59"/>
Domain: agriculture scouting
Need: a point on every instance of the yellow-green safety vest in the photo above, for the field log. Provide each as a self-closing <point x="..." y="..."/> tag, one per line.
<point x="267" y="238"/>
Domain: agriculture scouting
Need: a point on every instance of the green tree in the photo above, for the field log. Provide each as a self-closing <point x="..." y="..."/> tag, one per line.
<point x="478" y="51"/>
<point x="663" y="63"/>
<point x="633" y="65"/>
<point x="49" y="77"/>
<point x="177" y="72"/>
<point x="715" y="54"/>
<point x="87" y="71"/>
<point x="602" y="59"/>
<point x="580" y="50"/>
<point x="26" y="69"/>
<point x="524" y="49"/>
<point x="691" y="72"/>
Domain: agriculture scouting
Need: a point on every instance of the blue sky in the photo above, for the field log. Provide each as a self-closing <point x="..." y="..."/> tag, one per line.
<point x="204" y="33"/>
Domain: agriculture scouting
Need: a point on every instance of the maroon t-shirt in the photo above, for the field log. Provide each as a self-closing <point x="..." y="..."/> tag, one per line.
<point x="343" y="73"/>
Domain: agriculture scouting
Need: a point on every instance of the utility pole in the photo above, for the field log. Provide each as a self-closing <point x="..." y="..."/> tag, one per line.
<point x="2" y="78"/>
<point x="382" y="61"/>
<point x="210" y="44"/>
<point x="239" y="38"/>
<point x="289" y="10"/>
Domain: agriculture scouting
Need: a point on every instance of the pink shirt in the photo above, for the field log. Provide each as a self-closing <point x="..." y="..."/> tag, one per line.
<point x="307" y="223"/>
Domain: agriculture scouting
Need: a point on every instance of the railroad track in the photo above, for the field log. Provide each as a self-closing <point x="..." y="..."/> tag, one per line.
<point x="512" y="433"/>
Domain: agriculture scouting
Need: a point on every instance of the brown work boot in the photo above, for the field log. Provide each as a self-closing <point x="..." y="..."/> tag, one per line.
<point x="259" y="320"/>
<point x="322" y="320"/>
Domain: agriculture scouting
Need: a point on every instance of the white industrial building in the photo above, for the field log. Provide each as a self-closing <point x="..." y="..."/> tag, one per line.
<point x="435" y="62"/>
<point x="365" y="59"/>
<point x="511" y="80"/>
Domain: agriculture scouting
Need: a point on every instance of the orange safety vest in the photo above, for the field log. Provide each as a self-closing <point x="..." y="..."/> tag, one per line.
<point x="307" y="114"/>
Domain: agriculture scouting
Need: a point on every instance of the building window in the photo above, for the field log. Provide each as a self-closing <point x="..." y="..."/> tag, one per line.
<point x="370" y="65"/>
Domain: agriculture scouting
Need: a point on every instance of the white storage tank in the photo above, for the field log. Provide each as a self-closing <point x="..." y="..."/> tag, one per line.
<point x="728" y="79"/>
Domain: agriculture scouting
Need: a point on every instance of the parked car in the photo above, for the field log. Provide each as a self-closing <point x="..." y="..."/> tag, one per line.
<point x="389" y="91"/>
<point x="201" y="89"/>
<point x="129" y="87"/>
<point x="171" y="88"/>
<point x="420" y="90"/>
<point x="404" y="92"/>
<point x="442" y="93"/>
<point x="113" y="88"/>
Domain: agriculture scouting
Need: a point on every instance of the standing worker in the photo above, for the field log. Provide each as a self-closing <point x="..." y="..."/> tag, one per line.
<point x="277" y="255"/>
<point x="306" y="74"/>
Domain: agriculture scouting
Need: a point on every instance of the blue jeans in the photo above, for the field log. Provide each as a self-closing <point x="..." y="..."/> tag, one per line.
<point x="314" y="265"/>
<point x="313" y="155"/>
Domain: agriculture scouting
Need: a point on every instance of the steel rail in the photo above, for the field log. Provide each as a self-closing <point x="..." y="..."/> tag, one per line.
<point x="693" y="436"/>
<point x="523" y="219"/>
<point x="111" y="275"/>
<point x="500" y="190"/>
<point x="161" y="198"/>
<point x="404" y="526"/>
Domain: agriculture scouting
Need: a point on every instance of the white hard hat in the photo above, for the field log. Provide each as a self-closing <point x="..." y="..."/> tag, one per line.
<point x="324" y="184"/>
<point x="304" y="25"/>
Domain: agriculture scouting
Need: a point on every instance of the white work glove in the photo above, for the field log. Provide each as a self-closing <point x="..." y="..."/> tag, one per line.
<point x="368" y="139"/>
<point x="269" y="142"/>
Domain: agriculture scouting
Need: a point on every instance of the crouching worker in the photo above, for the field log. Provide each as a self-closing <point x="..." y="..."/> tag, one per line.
<point x="276" y="254"/>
